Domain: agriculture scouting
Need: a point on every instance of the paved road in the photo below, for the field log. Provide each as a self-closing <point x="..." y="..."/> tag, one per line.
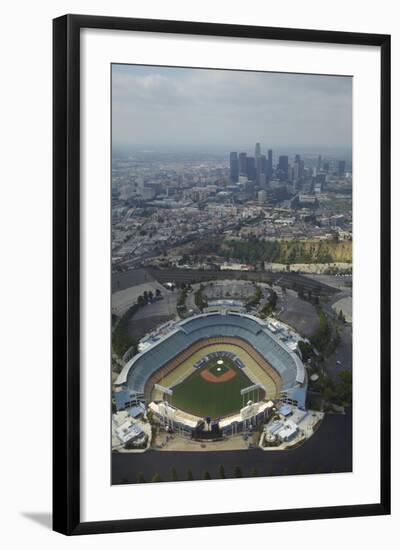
<point x="140" y="276"/>
<point x="342" y="359"/>
<point x="191" y="276"/>
<point x="329" y="450"/>
<point x="133" y="277"/>
<point x="343" y="356"/>
<point x="340" y="282"/>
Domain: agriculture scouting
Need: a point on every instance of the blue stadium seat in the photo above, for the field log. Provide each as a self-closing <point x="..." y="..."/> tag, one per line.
<point x="190" y="331"/>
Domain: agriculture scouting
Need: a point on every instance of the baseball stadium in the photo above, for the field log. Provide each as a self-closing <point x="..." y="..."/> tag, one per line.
<point x="220" y="369"/>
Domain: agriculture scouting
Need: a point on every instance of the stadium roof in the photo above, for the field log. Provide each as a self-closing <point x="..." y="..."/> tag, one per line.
<point x="122" y="399"/>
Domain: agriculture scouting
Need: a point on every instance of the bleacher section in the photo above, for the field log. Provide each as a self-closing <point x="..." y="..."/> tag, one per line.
<point x="245" y="331"/>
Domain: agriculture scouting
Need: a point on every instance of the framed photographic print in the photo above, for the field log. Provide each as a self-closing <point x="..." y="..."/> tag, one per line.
<point x="221" y="274"/>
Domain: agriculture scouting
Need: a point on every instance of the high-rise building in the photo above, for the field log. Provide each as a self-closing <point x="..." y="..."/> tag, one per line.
<point x="264" y="165"/>
<point x="301" y="169"/>
<point x="258" y="160"/>
<point x="261" y="170"/>
<point x="296" y="168"/>
<point x="320" y="180"/>
<point x="262" y="196"/>
<point x="319" y="163"/>
<point x="242" y="164"/>
<point x="341" y="167"/>
<point x="257" y="156"/>
<point x="269" y="165"/>
<point x="283" y="167"/>
<point x="148" y="193"/>
<point x="263" y="181"/>
<point x="233" y="167"/>
<point x="251" y="168"/>
<point x="326" y="166"/>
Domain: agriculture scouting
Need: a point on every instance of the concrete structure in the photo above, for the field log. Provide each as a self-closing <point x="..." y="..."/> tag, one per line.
<point x="129" y="433"/>
<point x="250" y="330"/>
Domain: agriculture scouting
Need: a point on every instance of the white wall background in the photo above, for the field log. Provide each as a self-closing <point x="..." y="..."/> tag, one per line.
<point x="25" y="203"/>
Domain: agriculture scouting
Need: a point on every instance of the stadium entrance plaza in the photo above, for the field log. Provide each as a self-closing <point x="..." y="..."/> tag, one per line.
<point x="176" y="442"/>
<point x="165" y="441"/>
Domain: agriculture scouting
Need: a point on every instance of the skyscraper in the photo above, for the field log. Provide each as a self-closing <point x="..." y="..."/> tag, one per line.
<point x="258" y="163"/>
<point x="242" y="164"/>
<point x="262" y="196"/>
<point x="257" y="156"/>
<point x="269" y="164"/>
<point x="296" y="169"/>
<point x="264" y="165"/>
<point x="341" y="167"/>
<point x="283" y="167"/>
<point x="301" y="169"/>
<point x="251" y="168"/>
<point x="233" y="167"/>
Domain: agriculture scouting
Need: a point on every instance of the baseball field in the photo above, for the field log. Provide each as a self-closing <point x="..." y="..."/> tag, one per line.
<point x="212" y="390"/>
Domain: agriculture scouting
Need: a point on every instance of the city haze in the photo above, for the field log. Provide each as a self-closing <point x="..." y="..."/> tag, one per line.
<point x="165" y="108"/>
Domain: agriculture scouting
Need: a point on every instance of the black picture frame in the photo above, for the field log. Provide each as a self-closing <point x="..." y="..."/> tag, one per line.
<point x="66" y="272"/>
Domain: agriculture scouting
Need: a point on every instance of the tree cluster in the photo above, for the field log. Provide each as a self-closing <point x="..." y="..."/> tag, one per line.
<point x="326" y="338"/>
<point x="199" y="299"/>
<point x="254" y="299"/>
<point x="271" y="304"/>
<point x="121" y="341"/>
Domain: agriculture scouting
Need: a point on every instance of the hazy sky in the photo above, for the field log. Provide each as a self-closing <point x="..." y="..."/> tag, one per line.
<point x="156" y="107"/>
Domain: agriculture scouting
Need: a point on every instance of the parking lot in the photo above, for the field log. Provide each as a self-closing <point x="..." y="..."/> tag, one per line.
<point x="298" y="313"/>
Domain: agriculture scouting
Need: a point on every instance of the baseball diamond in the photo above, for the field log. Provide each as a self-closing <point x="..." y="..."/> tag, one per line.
<point x="205" y="394"/>
<point x="207" y="359"/>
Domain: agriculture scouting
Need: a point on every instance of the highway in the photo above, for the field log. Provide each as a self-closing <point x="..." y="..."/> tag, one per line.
<point x="191" y="276"/>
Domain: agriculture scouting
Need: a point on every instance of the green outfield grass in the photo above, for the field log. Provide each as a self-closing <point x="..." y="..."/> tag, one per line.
<point x="204" y="398"/>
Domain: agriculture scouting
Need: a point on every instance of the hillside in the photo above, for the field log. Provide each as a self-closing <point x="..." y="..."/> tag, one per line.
<point x="255" y="251"/>
<point x="315" y="251"/>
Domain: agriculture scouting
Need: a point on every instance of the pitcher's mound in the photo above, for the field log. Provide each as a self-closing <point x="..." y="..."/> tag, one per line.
<point x="210" y="377"/>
